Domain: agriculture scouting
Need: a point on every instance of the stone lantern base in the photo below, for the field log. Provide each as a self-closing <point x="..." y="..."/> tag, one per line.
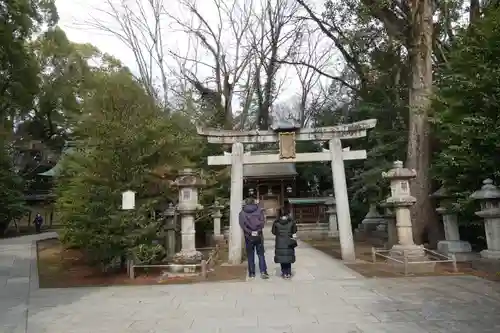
<point x="490" y="254"/>
<point x="218" y="239"/>
<point x="333" y="233"/>
<point x="417" y="260"/>
<point x="188" y="257"/>
<point x="461" y="249"/>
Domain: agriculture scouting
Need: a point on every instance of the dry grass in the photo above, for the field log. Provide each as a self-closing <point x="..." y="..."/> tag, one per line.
<point x="63" y="268"/>
<point x="380" y="269"/>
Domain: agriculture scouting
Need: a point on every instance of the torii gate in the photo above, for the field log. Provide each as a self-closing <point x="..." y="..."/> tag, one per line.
<point x="287" y="138"/>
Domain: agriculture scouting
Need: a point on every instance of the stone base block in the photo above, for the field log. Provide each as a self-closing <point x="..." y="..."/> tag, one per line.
<point x="461" y="249"/>
<point x="218" y="239"/>
<point x="466" y="256"/>
<point x="417" y="261"/>
<point x="333" y="234"/>
<point x="452" y="246"/>
<point x="187" y="257"/>
<point x="412" y="252"/>
<point x="491" y="266"/>
<point x="490" y="254"/>
<point x="369" y="227"/>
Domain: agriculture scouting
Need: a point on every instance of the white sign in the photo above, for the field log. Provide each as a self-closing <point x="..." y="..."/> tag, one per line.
<point x="128" y="200"/>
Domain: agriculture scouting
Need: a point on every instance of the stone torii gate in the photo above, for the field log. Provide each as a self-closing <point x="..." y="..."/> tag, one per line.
<point x="287" y="138"/>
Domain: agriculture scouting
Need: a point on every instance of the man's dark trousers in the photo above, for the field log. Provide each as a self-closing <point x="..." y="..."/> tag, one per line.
<point x="252" y="248"/>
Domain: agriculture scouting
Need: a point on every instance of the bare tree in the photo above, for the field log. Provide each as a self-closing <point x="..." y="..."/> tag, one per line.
<point x="314" y="53"/>
<point x="410" y="23"/>
<point x="226" y="67"/>
<point x="274" y="40"/>
<point x="138" y="24"/>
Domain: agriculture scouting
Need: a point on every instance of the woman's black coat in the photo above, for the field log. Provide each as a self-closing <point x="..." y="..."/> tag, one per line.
<point x="283" y="229"/>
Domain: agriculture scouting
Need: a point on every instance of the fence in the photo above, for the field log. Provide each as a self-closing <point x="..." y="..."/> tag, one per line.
<point x="407" y="263"/>
<point x="205" y="265"/>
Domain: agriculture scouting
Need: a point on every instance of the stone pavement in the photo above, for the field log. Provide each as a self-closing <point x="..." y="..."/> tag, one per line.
<point x="323" y="297"/>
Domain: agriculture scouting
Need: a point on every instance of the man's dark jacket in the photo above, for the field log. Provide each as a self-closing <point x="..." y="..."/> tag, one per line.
<point x="252" y="219"/>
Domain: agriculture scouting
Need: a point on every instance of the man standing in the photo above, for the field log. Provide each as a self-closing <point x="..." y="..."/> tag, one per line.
<point x="252" y="221"/>
<point x="38" y="223"/>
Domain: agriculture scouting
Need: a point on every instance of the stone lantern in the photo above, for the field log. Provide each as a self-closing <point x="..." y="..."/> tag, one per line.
<point x="372" y="219"/>
<point x="489" y="196"/>
<point x="389" y="224"/>
<point x="401" y="201"/>
<point x="188" y="183"/>
<point x="170" y="229"/>
<point x="216" y="215"/>
<point x="452" y="243"/>
<point x="331" y="211"/>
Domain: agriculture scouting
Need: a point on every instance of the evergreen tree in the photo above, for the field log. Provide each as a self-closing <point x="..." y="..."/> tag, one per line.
<point x="467" y="109"/>
<point x="125" y="142"/>
<point x="11" y="185"/>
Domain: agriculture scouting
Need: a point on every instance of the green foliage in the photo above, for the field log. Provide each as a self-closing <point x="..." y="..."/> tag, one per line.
<point x="11" y="195"/>
<point x="149" y="253"/>
<point x="467" y="109"/>
<point x="125" y="142"/>
<point x="65" y="77"/>
<point x="18" y="66"/>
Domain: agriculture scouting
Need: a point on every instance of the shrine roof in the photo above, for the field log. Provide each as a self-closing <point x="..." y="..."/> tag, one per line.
<point x="57" y="169"/>
<point x="268" y="170"/>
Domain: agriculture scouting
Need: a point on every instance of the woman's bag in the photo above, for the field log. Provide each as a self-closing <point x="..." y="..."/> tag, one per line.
<point x="292" y="243"/>
<point x="256" y="237"/>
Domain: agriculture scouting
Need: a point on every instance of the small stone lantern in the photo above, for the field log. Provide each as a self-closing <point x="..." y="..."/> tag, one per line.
<point x="170" y="229"/>
<point x="217" y="215"/>
<point x="389" y="224"/>
<point x="331" y="211"/>
<point x="401" y="201"/>
<point x="452" y="243"/>
<point x="489" y="196"/>
<point x="188" y="183"/>
<point x="372" y="219"/>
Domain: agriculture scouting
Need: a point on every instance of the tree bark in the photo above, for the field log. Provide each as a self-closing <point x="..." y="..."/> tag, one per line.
<point x="474" y="11"/>
<point x="419" y="148"/>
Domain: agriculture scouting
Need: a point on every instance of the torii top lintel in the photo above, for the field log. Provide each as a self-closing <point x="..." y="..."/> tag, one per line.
<point x="344" y="131"/>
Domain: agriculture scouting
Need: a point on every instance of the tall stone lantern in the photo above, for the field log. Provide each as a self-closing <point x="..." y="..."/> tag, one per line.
<point x="217" y="215"/>
<point x="401" y="201"/>
<point x="169" y="227"/>
<point x="188" y="183"/>
<point x="489" y="196"/>
<point x="452" y="243"/>
<point x="389" y="224"/>
<point x="331" y="211"/>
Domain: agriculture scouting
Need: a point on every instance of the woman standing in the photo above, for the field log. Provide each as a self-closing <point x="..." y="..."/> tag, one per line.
<point x="285" y="229"/>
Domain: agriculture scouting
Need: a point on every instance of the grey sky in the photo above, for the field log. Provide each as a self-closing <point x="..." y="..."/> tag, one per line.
<point x="74" y="13"/>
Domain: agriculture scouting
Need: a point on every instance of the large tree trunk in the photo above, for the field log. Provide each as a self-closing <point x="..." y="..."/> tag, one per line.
<point x="419" y="149"/>
<point x="474" y="11"/>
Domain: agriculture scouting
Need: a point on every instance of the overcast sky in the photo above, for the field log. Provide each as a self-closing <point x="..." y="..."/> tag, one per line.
<point x="74" y="13"/>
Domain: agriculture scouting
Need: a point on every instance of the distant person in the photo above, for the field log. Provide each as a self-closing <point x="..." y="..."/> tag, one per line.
<point x="38" y="221"/>
<point x="252" y="222"/>
<point x="285" y="230"/>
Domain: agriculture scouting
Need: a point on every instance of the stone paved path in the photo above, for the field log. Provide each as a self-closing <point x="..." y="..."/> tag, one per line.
<point x="323" y="297"/>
